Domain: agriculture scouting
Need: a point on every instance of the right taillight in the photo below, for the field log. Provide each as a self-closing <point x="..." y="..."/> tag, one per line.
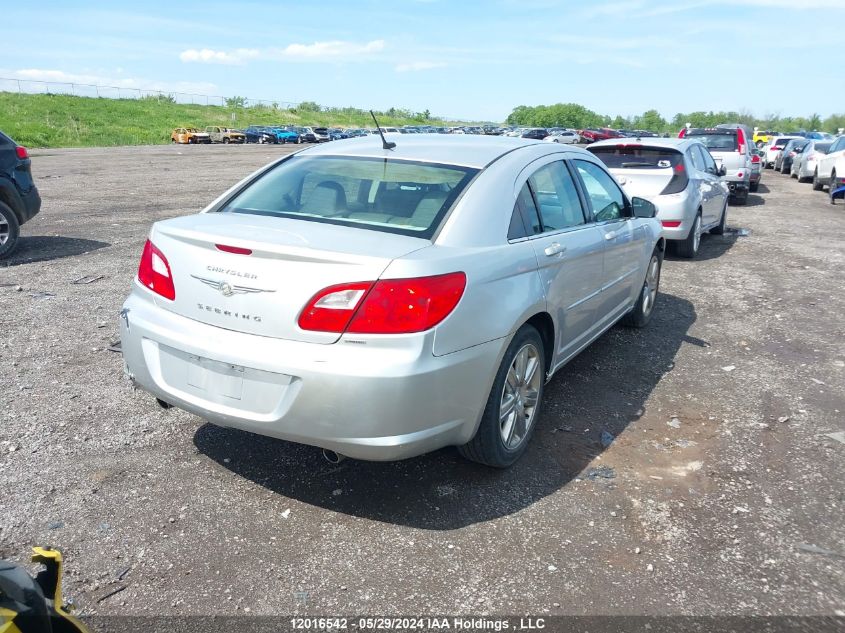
<point x="21" y="152"/>
<point x="679" y="180"/>
<point x="154" y="272"/>
<point x="387" y="306"/>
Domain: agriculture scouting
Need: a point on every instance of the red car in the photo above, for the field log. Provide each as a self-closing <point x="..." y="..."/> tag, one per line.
<point x="601" y="134"/>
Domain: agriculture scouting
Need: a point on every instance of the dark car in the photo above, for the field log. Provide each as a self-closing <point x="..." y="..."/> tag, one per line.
<point x="783" y="161"/>
<point x="19" y="198"/>
<point x="336" y="134"/>
<point x="306" y="134"/>
<point x="260" y="134"/>
<point x="537" y="133"/>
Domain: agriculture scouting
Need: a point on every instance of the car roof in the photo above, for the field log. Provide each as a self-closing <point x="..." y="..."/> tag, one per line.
<point x="467" y="151"/>
<point x="650" y="141"/>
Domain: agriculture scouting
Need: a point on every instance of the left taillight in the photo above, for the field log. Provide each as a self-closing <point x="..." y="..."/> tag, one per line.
<point x="21" y="152"/>
<point x="387" y="306"/>
<point x="154" y="272"/>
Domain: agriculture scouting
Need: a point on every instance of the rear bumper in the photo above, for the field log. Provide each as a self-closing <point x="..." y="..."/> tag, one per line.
<point x="679" y="207"/>
<point x="30" y="204"/>
<point x="375" y="402"/>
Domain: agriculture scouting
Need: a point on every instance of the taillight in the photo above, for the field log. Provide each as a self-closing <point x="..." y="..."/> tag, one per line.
<point x="154" y="272"/>
<point x="740" y="139"/>
<point x="21" y="152"/>
<point x="671" y="224"/>
<point x="388" y="306"/>
<point x="679" y="180"/>
<point x="739" y="174"/>
<point x="755" y="159"/>
<point x="682" y="133"/>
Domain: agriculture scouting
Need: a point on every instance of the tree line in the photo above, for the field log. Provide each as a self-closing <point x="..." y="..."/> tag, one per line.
<point x="576" y="116"/>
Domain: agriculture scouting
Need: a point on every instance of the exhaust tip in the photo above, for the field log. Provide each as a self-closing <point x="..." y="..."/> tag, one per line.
<point x="332" y="457"/>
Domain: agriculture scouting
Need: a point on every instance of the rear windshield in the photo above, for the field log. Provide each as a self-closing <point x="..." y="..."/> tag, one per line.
<point x="782" y="142"/>
<point x="393" y="196"/>
<point x="637" y="157"/>
<point x="822" y="148"/>
<point x="716" y="142"/>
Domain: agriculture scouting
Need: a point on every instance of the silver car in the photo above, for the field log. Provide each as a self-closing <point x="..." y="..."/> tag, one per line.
<point x="381" y="303"/>
<point x="804" y="164"/>
<point x="679" y="176"/>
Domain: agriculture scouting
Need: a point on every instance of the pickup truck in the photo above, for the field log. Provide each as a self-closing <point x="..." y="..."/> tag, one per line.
<point x="225" y="135"/>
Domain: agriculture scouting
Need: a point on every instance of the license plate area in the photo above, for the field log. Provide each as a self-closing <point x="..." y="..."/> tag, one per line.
<point x="213" y="376"/>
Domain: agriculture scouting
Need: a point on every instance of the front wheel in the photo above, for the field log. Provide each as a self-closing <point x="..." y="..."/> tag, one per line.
<point x="832" y="187"/>
<point x="640" y="315"/>
<point x="513" y="404"/>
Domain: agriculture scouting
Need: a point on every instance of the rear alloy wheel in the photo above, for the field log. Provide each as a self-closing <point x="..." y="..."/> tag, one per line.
<point x="640" y="315"/>
<point x="817" y="184"/>
<point x="513" y="405"/>
<point x="689" y="247"/>
<point x="719" y="229"/>
<point x="9" y="230"/>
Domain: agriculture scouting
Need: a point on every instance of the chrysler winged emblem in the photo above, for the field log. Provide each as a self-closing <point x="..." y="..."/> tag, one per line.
<point x="227" y="289"/>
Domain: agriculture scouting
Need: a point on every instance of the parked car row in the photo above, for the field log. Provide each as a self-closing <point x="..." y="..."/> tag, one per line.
<point x="817" y="161"/>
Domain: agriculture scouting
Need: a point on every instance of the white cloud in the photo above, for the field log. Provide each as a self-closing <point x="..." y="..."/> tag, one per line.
<point x="209" y="56"/>
<point x="415" y="66"/>
<point x="335" y="50"/>
<point x="332" y="49"/>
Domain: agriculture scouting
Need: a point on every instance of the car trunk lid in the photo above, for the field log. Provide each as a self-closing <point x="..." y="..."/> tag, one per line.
<point x="254" y="274"/>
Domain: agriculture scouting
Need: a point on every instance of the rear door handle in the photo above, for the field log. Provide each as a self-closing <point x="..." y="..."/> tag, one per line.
<point x="610" y="236"/>
<point x="554" y="249"/>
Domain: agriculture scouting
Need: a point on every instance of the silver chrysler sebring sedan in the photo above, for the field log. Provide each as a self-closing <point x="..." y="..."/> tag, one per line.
<point x="381" y="302"/>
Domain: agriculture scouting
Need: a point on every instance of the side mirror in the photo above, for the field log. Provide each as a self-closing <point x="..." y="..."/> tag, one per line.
<point x="723" y="171"/>
<point x="643" y="208"/>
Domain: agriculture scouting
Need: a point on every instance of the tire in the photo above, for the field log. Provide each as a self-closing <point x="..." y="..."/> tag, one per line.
<point x="689" y="247"/>
<point x="10" y="230"/>
<point x="298" y="140"/>
<point x="832" y="186"/>
<point x="225" y="140"/>
<point x="260" y="140"/>
<point x="817" y="185"/>
<point x="753" y="187"/>
<point x="641" y="313"/>
<point x="783" y="168"/>
<point x="490" y="445"/>
<point x="740" y="200"/>
<point x="720" y="228"/>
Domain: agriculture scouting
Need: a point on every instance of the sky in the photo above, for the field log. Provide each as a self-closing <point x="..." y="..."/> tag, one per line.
<point x="459" y="59"/>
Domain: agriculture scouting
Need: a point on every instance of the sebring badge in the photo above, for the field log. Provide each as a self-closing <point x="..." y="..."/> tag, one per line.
<point x="227" y="289"/>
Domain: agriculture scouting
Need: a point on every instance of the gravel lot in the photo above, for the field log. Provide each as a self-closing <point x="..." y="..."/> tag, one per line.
<point x="722" y="493"/>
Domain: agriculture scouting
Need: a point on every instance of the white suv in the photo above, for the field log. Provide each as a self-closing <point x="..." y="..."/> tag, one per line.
<point x="830" y="168"/>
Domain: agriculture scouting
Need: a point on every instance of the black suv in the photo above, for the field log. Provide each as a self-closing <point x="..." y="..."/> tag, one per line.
<point x="19" y="199"/>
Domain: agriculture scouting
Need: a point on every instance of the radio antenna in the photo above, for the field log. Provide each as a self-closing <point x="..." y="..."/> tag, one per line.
<point x="384" y="143"/>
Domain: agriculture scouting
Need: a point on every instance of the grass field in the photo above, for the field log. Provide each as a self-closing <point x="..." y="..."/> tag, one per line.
<point x="48" y="120"/>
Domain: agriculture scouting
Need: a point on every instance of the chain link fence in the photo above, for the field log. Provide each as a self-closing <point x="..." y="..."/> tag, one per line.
<point x="32" y="86"/>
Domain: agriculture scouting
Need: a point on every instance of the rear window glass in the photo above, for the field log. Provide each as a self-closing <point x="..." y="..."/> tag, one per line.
<point x="782" y="142"/>
<point x="637" y="157"/>
<point x="393" y="196"/>
<point x="716" y="142"/>
<point x="822" y="148"/>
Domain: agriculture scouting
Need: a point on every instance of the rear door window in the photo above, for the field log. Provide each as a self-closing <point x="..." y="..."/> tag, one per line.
<point x="557" y="197"/>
